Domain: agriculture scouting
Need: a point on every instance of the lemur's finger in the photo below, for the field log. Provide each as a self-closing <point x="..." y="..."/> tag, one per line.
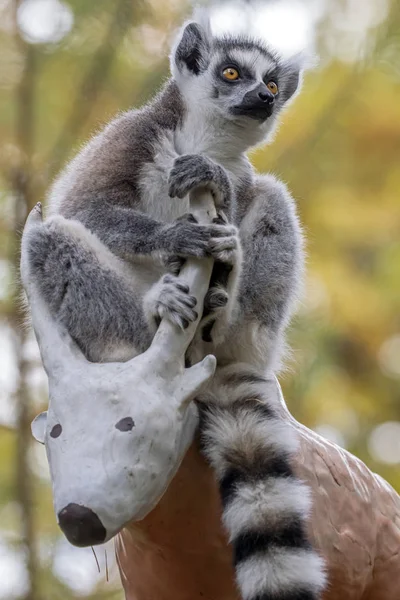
<point x="223" y="231"/>
<point x="184" y="323"/>
<point x="224" y="243"/>
<point x="216" y="298"/>
<point x="177" y="314"/>
<point x="182" y="287"/>
<point x="182" y="302"/>
<point x="225" y="256"/>
<point x="174" y="302"/>
<point x="171" y="279"/>
<point x="175" y="318"/>
<point x="189" y="217"/>
<point x="221" y="219"/>
<point x="174" y="264"/>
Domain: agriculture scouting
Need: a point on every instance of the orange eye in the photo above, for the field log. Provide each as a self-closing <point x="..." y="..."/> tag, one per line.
<point x="231" y="74"/>
<point x="273" y="88"/>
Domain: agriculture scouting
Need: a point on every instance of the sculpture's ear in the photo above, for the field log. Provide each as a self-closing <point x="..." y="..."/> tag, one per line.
<point x="196" y="377"/>
<point x="38" y="427"/>
<point x="191" y="55"/>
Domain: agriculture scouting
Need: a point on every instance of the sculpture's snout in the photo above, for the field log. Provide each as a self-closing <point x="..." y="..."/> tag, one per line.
<point x="81" y="526"/>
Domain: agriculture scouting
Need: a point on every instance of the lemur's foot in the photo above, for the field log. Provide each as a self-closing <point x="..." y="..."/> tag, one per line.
<point x="170" y="299"/>
<point x="221" y="297"/>
<point x="216" y="299"/>
<point x="228" y="254"/>
<point x="215" y="314"/>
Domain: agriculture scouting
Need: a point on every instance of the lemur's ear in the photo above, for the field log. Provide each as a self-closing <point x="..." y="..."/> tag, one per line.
<point x="292" y="73"/>
<point x="292" y="80"/>
<point x="192" y="53"/>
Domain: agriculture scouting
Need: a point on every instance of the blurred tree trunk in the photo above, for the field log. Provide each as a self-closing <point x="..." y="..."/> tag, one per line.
<point x="21" y="179"/>
<point x="93" y="80"/>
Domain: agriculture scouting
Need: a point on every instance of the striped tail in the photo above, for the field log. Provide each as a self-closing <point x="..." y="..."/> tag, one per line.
<point x="265" y="507"/>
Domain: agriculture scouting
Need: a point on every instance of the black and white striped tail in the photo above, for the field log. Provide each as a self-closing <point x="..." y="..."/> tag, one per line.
<point x="265" y="507"/>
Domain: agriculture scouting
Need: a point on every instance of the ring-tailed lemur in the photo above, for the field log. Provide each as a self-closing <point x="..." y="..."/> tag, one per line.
<point x="118" y="216"/>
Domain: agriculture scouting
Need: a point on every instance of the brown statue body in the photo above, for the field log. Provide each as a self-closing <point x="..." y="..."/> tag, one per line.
<point x="179" y="552"/>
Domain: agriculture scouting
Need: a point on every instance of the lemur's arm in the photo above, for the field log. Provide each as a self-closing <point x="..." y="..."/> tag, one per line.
<point x="129" y="233"/>
<point x="112" y="196"/>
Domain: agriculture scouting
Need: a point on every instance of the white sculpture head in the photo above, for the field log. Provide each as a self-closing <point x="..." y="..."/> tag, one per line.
<point x="115" y="433"/>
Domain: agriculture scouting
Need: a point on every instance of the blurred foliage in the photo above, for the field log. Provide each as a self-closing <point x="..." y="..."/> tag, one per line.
<point x="339" y="151"/>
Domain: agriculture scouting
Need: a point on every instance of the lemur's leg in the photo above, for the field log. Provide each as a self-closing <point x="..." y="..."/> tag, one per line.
<point x="96" y="295"/>
<point x="81" y="282"/>
<point x="273" y="262"/>
<point x="272" y="269"/>
<point x="221" y="300"/>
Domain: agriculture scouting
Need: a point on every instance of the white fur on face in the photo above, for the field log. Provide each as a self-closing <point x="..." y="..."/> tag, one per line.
<point x="257" y="62"/>
<point x="252" y="60"/>
<point x="207" y="114"/>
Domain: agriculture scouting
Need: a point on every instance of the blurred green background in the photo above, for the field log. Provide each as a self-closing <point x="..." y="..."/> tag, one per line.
<point x="65" y="69"/>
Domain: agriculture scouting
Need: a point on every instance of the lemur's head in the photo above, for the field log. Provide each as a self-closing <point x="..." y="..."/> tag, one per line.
<point x="236" y="78"/>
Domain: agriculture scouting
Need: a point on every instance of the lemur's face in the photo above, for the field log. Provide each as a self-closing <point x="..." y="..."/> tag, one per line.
<point x="245" y="81"/>
<point x="236" y="78"/>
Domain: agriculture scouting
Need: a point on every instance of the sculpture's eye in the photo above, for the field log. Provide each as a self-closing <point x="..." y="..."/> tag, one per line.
<point x="273" y="87"/>
<point x="231" y="74"/>
<point x="126" y="424"/>
<point x="56" y="431"/>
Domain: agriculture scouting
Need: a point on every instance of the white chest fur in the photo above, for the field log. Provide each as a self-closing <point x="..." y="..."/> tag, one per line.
<point x="154" y="183"/>
<point x="188" y="139"/>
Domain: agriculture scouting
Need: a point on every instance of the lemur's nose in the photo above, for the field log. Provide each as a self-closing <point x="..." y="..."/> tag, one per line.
<point x="81" y="526"/>
<point x="266" y="96"/>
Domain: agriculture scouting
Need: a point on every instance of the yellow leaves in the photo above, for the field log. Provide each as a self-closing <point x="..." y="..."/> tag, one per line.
<point x="351" y="216"/>
<point x="340" y="153"/>
<point x="7" y="466"/>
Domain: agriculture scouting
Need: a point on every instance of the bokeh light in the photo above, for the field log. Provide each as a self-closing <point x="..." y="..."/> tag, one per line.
<point x="44" y="21"/>
<point x="384" y="443"/>
<point x="389" y="356"/>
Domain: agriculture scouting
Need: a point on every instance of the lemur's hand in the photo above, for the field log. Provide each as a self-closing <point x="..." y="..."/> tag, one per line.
<point x="186" y="238"/>
<point x="191" y="171"/>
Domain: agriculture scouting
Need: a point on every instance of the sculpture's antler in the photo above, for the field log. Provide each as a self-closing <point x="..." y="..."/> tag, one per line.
<point x="171" y="343"/>
<point x="167" y="351"/>
<point x="57" y="349"/>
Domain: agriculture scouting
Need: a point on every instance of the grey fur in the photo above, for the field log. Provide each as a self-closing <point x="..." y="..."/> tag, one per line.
<point x="109" y="286"/>
<point x="84" y="286"/>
